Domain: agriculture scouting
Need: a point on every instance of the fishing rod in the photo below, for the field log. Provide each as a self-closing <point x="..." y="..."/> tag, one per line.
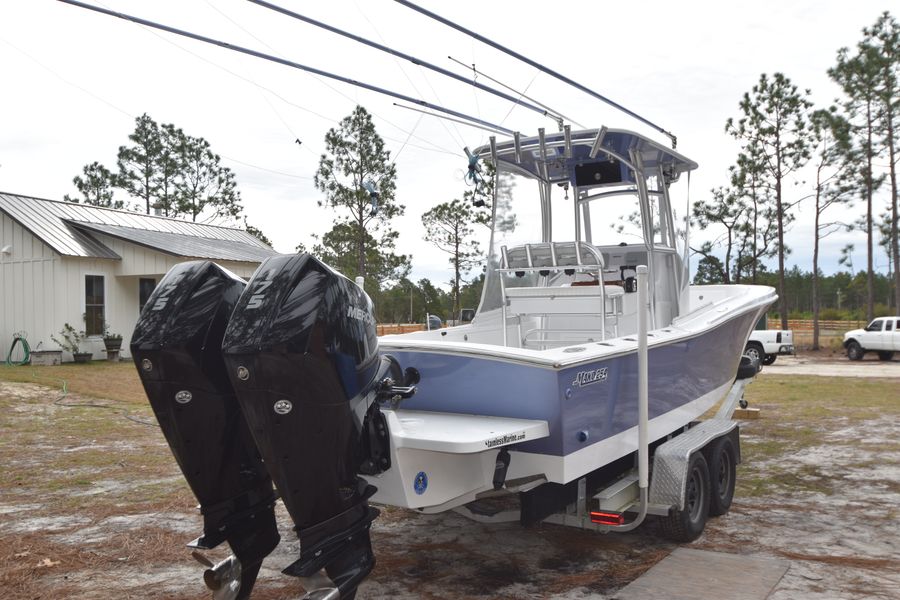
<point x="283" y="61"/>
<point x="520" y="94"/>
<point x="416" y="61"/>
<point x="537" y="65"/>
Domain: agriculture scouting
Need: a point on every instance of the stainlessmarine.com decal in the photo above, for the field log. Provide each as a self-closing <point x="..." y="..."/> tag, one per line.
<point x="583" y="378"/>
<point x="505" y="439"/>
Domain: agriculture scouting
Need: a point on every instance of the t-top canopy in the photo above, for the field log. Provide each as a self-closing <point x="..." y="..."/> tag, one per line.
<point x="591" y="157"/>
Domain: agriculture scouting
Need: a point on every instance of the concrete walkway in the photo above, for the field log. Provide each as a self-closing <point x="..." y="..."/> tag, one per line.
<point x="689" y="574"/>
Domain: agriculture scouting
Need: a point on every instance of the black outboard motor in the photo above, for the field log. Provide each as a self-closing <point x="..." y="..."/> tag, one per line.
<point x="302" y="352"/>
<point x="176" y="346"/>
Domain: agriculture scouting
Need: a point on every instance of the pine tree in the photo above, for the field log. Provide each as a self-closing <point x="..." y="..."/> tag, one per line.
<point x="858" y="75"/>
<point x="449" y="227"/>
<point x="96" y="187"/>
<point x="138" y="164"/>
<point x="774" y="122"/>
<point x="882" y="44"/>
<point x="355" y="158"/>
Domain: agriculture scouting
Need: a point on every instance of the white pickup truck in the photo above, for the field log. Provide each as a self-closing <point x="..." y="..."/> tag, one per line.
<point x="882" y="335"/>
<point x="766" y="344"/>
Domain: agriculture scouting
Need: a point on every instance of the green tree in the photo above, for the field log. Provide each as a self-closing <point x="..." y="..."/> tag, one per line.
<point x="138" y="163"/>
<point x="449" y="227"/>
<point x="774" y="123"/>
<point x="757" y="229"/>
<point x="355" y="157"/>
<point x="857" y="75"/>
<point x="203" y="184"/>
<point x="710" y="270"/>
<point x="338" y="248"/>
<point x="258" y="234"/>
<point x="883" y="40"/>
<point x="832" y="140"/>
<point x="434" y="298"/>
<point x="96" y="187"/>
<point x="725" y="210"/>
<point x="168" y="170"/>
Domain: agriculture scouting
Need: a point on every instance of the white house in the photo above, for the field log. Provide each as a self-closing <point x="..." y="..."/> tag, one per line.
<point x="62" y="262"/>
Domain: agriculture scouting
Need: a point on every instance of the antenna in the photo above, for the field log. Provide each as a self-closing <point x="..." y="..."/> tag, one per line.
<point x="283" y="61"/>
<point x="397" y="53"/>
<point x="536" y="65"/>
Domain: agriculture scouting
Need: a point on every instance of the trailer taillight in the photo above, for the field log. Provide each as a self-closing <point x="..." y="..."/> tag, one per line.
<point x="607" y="518"/>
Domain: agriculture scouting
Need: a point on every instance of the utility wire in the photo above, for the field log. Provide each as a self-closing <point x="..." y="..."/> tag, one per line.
<point x="282" y="61"/>
<point x="537" y="65"/>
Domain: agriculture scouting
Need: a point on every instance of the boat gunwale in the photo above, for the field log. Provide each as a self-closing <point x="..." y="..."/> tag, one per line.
<point x="673" y="333"/>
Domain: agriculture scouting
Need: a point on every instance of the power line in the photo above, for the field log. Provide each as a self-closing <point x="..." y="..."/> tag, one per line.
<point x="536" y="65"/>
<point x="285" y="62"/>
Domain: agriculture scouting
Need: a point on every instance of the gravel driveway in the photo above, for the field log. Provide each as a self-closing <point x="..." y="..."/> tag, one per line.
<point x="834" y="366"/>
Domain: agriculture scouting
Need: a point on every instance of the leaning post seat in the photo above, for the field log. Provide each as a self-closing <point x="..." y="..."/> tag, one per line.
<point x="567" y="258"/>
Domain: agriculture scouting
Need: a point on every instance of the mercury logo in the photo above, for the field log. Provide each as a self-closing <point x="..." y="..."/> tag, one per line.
<point x="354" y="312"/>
<point x="583" y="378"/>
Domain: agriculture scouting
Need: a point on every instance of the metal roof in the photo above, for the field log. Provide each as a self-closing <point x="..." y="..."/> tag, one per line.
<point x="178" y="244"/>
<point x="66" y="227"/>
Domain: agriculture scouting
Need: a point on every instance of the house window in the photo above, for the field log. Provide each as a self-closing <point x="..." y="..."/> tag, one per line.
<point x="94" y="304"/>
<point x="146" y="286"/>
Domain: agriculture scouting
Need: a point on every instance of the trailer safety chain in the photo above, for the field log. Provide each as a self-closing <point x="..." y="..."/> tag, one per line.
<point x="19" y="338"/>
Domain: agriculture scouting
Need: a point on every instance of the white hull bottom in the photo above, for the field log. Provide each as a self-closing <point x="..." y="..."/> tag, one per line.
<point x="435" y="468"/>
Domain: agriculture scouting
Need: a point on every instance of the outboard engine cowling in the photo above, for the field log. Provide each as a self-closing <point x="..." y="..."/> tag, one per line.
<point x="176" y="346"/>
<point x="302" y="352"/>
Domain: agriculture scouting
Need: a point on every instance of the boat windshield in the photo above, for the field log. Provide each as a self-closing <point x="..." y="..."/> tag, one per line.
<point x="615" y="205"/>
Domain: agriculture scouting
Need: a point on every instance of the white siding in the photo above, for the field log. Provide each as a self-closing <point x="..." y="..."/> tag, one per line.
<point x="40" y="290"/>
<point x="28" y="298"/>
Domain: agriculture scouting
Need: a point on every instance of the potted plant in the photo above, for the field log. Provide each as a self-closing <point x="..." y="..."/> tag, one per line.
<point x="69" y="339"/>
<point x="112" y="341"/>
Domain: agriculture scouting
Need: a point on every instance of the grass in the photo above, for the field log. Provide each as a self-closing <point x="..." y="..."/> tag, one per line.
<point x="97" y="379"/>
<point x="795" y="411"/>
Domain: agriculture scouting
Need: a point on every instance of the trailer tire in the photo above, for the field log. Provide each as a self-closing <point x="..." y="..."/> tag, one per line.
<point x="722" y="475"/>
<point x="769" y="359"/>
<point x="755" y="351"/>
<point x="854" y="350"/>
<point x="687" y="524"/>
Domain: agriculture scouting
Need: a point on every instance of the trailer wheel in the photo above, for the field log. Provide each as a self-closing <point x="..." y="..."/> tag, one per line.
<point x="755" y="351"/>
<point x="722" y="476"/>
<point x="854" y="350"/>
<point x="885" y="355"/>
<point x="769" y="359"/>
<point x="687" y="524"/>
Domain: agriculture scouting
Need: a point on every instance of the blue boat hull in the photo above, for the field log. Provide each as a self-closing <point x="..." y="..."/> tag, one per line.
<point x="586" y="403"/>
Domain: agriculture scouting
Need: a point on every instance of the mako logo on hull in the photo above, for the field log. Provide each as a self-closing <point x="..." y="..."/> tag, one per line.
<point x="583" y="378"/>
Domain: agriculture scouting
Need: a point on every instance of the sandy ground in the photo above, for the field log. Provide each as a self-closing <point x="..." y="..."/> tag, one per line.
<point x="97" y="509"/>
<point x="834" y="366"/>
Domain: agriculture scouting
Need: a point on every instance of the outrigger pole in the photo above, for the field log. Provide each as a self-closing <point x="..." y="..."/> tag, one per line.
<point x="520" y="94"/>
<point x="288" y="63"/>
<point x="539" y="66"/>
<point x="545" y="111"/>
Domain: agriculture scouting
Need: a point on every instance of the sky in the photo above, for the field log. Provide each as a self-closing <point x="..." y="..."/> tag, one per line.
<point x="73" y="81"/>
